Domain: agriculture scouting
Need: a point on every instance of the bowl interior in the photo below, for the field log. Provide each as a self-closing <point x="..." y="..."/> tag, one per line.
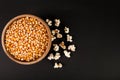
<point x="25" y="62"/>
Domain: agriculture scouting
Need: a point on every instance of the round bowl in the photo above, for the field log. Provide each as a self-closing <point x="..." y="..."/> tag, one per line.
<point x="11" y="56"/>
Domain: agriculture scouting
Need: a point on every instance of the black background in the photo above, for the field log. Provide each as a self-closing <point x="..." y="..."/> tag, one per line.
<point x="95" y="28"/>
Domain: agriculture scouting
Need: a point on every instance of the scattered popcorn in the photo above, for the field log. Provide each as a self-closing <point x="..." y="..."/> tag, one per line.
<point x="57" y="31"/>
<point x="57" y="22"/>
<point x="57" y="56"/>
<point x="59" y="35"/>
<point x="69" y="38"/>
<point x="67" y="54"/>
<point x="58" y="65"/>
<point x="56" y="47"/>
<point x="53" y="32"/>
<point x="53" y="38"/>
<point x="62" y="45"/>
<point x="66" y="30"/>
<point x="49" y="22"/>
<point x="71" y="47"/>
<point x="51" y="56"/>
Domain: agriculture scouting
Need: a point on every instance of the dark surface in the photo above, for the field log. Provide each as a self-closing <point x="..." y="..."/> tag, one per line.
<point x="95" y="28"/>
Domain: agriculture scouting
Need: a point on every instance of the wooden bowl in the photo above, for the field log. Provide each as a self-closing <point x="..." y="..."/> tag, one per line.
<point x="25" y="62"/>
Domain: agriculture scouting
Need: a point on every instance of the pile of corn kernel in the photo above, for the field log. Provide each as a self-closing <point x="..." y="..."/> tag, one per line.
<point x="62" y="42"/>
<point x="26" y="39"/>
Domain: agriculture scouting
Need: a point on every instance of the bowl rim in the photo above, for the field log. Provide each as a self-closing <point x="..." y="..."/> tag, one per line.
<point x="49" y="42"/>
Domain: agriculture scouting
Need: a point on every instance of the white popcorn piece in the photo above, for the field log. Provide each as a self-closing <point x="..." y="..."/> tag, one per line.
<point x="67" y="54"/>
<point x="49" y="22"/>
<point x="69" y="38"/>
<point x="71" y="47"/>
<point x="53" y="38"/>
<point x="53" y="32"/>
<point x="51" y="56"/>
<point x="62" y="45"/>
<point x="57" y="56"/>
<point x="56" y="47"/>
<point x="58" y="65"/>
<point x="57" y="31"/>
<point x="66" y="29"/>
<point x="59" y="35"/>
<point x="57" y="22"/>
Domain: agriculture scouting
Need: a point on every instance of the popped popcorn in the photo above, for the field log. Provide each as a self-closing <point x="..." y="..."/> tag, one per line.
<point x="58" y="65"/>
<point x="67" y="54"/>
<point x="51" y="56"/>
<point x="53" y="32"/>
<point x="56" y="47"/>
<point x="57" y="22"/>
<point x="66" y="29"/>
<point x="71" y="47"/>
<point x="49" y="22"/>
<point x="62" y="45"/>
<point x="53" y="37"/>
<point x="69" y="38"/>
<point x="57" y="31"/>
<point x="57" y="56"/>
<point x="59" y="35"/>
